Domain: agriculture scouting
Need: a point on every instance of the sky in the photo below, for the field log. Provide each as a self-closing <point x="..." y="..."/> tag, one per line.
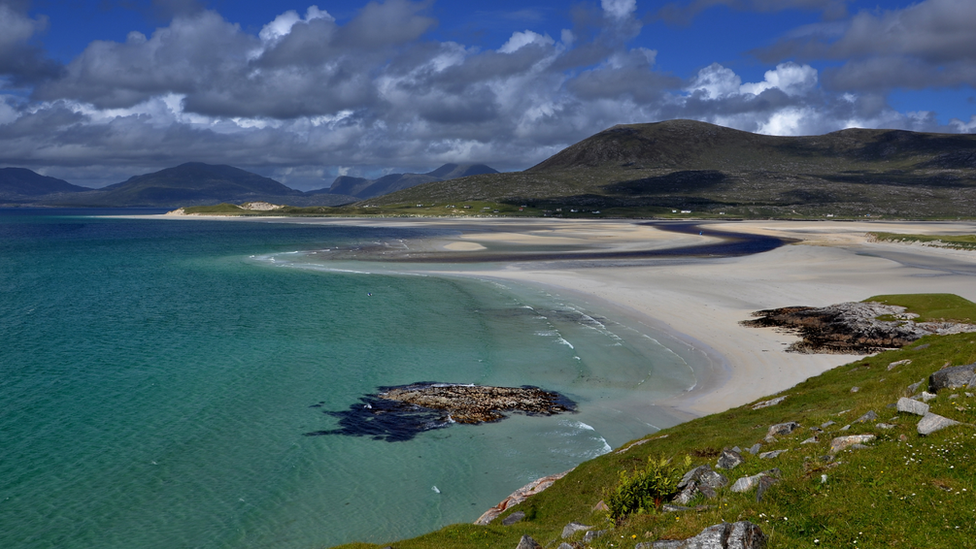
<point x="96" y="91"/>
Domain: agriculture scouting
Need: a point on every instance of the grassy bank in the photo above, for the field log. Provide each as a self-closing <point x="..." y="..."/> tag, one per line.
<point x="904" y="490"/>
<point x="962" y="242"/>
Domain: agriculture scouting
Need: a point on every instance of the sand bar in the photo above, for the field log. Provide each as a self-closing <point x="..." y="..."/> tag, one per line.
<point x="702" y="300"/>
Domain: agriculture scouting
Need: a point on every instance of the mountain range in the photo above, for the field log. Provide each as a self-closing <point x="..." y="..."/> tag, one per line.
<point x="675" y="166"/>
<point x="196" y="183"/>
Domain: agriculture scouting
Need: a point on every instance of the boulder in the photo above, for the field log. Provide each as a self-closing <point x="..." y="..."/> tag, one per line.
<point x="771" y="455"/>
<point x="912" y="406"/>
<point x="739" y="535"/>
<point x="729" y="460"/>
<point x="781" y="429"/>
<point x="700" y="480"/>
<point x="931" y="423"/>
<point x="868" y="417"/>
<point x="764" y="483"/>
<point x="745" y="484"/>
<point x="593" y="534"/>
<point x="955" y="377"/>
<point x="528" y="543"/>
<point x="513" y="518"/>
<point x="570" y="529"/>
<point x="768" y="403"/>
<point x="841" y="443"/>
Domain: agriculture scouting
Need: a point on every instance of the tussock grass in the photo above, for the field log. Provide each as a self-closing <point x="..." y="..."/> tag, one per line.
<point x="906" y="490"/>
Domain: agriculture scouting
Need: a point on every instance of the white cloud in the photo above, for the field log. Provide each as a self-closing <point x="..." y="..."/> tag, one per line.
<point x="619" y="9"/>
<point x="716" y="82"/>
<point x="521" y="39"/>
<point x="283" y="24"/>
<point x="790" y="78"/>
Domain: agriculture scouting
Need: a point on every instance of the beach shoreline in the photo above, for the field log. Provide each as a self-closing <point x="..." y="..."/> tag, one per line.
<point x="699" y="301"/>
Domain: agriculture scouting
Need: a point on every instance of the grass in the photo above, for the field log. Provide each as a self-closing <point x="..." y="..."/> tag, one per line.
<point x="906" y="490"/>
<point x="932" y="307"/>
<point x="963" y="242"/>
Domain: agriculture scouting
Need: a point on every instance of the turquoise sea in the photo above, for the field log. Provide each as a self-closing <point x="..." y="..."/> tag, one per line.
<point x="157" y="379"/>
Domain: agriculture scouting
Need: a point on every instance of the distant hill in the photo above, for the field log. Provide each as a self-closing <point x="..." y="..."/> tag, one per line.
<point x="363" y="188"/>
<point x="23" y="185"/>
<point x="690" y="165"/>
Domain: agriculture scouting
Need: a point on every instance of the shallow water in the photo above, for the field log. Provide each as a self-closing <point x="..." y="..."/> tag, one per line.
<point x="157" y="378"/>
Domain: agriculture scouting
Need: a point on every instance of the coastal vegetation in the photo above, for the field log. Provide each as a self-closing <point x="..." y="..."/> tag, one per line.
<point x="962" y="242"/>
<point x="901" y="488"/>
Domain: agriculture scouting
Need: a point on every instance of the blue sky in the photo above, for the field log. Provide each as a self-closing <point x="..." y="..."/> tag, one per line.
<point x="96" y="91"/>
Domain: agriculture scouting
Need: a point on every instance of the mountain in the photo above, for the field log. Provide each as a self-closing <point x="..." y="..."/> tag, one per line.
<point x="689" y="165"/>
<point x="368" y="188"/>
<point x="23" y="185"/>
<point x="195" y="183"/>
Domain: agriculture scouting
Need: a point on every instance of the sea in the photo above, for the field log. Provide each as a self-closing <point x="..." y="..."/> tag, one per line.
<point x="161" y="381"/>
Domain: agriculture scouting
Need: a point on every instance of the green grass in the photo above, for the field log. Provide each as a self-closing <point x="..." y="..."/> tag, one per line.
<point x="932" y="307"/>
<point x="905" y="491"/>
<point x="964" y="242"/>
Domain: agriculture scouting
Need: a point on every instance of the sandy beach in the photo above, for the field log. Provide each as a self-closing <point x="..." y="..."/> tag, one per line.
<point x="701" y="300"/>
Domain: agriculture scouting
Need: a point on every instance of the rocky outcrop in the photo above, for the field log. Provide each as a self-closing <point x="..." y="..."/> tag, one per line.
<point x="738" y="535"/>
<point x="478" y="403"/>
<point x="955" y="377"/>
<point x="851" y="328"/>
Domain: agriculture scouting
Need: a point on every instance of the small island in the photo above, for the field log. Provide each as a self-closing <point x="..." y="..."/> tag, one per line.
<point x="399" y="413"/>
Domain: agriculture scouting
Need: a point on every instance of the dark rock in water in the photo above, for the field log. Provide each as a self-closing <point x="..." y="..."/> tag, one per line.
<point x="851" y="328"/>
<point x="399" y="413"/>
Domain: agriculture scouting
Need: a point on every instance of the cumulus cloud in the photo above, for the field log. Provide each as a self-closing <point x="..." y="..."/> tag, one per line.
<point x="308" y="96"/>
<point x="21" y="61"/>
<point x="928" y="44"/>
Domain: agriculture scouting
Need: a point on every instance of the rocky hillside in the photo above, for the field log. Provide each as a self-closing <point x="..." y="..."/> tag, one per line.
<point x="689" y="165"/>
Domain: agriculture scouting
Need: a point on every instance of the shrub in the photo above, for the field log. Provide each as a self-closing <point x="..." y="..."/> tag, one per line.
<point x="644" y="489"/>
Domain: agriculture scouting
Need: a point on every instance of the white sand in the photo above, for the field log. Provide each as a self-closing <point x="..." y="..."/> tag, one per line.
<point x="706" y="299"/>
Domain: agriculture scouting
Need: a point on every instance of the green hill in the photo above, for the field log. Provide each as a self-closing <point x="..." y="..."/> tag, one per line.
<point x="708" y="169"/>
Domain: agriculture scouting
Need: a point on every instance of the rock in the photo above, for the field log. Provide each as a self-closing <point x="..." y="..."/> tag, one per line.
<point x="729" y="460"/>
<point x="868" y="417"/>
<point x="898" y="363"/>
<point x="913" y="388"/>
<point x="745" y="484"/>
<point x="811" y="440"/>
<point x="841" y="443"/>
<point x="768" y="403"/>
<point x="955" y="377"/>
<point x="851" y="328"/>
<point x="754" y="449"/>
<point x="519" y="496"/>
<point x="931" y="423"/>
<point x="926" y="396"/>
<point x="574" y="527"/>
<point x="770" y="455"/>
<point x="513" y="518"/>
<point x="886" y="426"/>
<point x="700" y="480"/>
<point x="764" y="483"/>
<point x="477" y="403"/>
<point x="528" y="543"/>
<point x="601" y="506"/>
<point x="739" y="535"/>
<point x="827" y="424"/>
<point x="565" y="545"/>
<point x="593" y="534"/>
<point x="855" y="389"/>
<point x="912" y="406"/>
<point x="781" y="429"/>
<point x="922" y="346"/>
